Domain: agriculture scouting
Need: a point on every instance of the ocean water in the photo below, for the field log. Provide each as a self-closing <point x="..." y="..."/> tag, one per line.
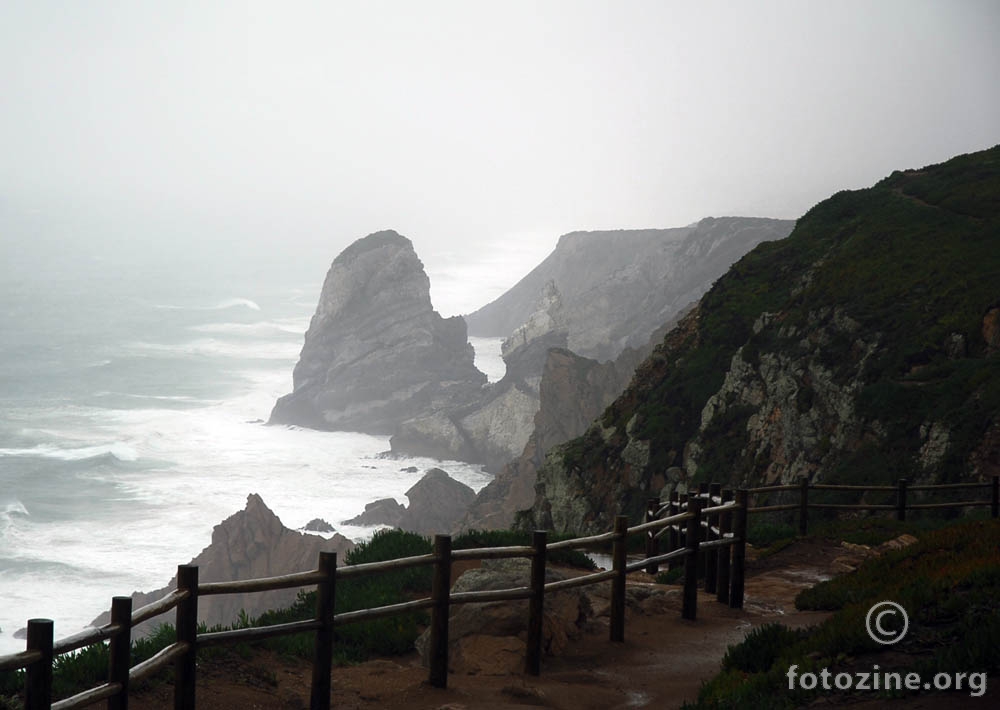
<point x="131" y="423"/>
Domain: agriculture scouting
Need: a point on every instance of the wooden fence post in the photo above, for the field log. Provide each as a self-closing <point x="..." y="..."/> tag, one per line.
<point x="739" y="549"/>
<point x="689" y="609"/>
<point x="995" y="498"/>
<point x="673" y="538"/>
<point x="725" y="526"/>
<point x="536" y="605"/>
<point x="187" y="632"/>
<point x="440" y="593"/>
<point x="652" y="542"/>
<point x="803" y="505"/>
<point x="901" y="499"/>
<point x="326" y="597"/>
<point x="120" y="656"/>
<point x="712" y="556"/>
<point x="618" y="555"/>
<point x="38" y="681"/>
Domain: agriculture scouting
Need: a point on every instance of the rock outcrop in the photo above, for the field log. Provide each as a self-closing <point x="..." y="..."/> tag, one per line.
<point x="620" y="286"/>
<point x="377" y="353"/>
<point x="495" y="428"/>
<point x="437" y="502"/>
<point x="573" y="392"/>
<point x="247" y="545"/>
<point x="847" y="353"/>
<point x="490" y="638"/>
<point x="384" y="511"/>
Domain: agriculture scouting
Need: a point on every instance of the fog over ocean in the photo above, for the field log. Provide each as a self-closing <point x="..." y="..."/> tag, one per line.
<point x="131" y="408"/>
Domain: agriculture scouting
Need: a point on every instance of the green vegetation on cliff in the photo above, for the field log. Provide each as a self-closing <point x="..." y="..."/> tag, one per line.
<point x="947" y="582"/>
<point x="863" y="347"/>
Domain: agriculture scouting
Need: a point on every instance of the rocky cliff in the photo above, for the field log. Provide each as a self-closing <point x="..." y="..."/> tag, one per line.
<point x="376" y="352"/>
<point x="247" y="545"/>
<point x="494" y="428"/>
<point x="573" y="391"/>
<point x="863" y="348"/>
<point x="620" y="286"/>
<point x="437" y="502"/>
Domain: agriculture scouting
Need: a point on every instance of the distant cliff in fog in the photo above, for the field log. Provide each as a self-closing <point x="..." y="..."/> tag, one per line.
<point x="619" y="286"/>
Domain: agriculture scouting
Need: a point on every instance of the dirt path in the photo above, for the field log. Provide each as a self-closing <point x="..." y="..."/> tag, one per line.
<point x="662" y="663"/>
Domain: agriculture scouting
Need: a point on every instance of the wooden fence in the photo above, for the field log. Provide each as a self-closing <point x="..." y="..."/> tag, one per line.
<point x="715" y="565"/>
<point x="37" y="659"/>
<point x="903" y="498"/>
<point x="706" y="531"/>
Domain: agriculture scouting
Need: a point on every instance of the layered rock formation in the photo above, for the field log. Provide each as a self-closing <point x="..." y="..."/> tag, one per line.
<point x="494" y="429"/>
<point x="247" y="545"/>
<point x="376" y="352"/>
<point x="861" y="349"/>
<point x="437" y="502"/>
<point x="620" y="286"/>
<point x="574" y="391"/>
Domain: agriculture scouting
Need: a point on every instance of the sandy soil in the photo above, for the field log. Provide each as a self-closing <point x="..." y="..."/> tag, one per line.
<point x="662" y="663"/>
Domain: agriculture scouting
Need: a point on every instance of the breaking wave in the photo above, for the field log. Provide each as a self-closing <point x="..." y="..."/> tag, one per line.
<point x="118" y="451"/>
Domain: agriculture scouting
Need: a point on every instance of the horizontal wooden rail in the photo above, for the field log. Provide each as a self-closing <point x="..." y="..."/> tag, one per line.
<point x="771" y="489"/>
<point x="87" y="637"/>
<point x="498" y="595"/>
<point x="156" y="663"/>
<point x="949" y="486"/>
<point x="161" y="606"/>
<point x="89" y="697"/>
<point x="832" y="487"/>
<point x="656" y="524"/>
<point x="367" y="568"/>
<point x="658" y="559"/>
<point x="379" y="612"/>
<point x="775" y="508"/>
<point x="847" y="506"/>
<point x="255" y="633"/>
<point x="264" y="584"/>
<point x="16" y="661"/>
<point x="723" y="508"/>
<point x="582" y="542"/>
<point x="714" y="544"/>
<point x="956" y="504"/>
<point x="492" y="553"/>
<point x="581" y="581"/>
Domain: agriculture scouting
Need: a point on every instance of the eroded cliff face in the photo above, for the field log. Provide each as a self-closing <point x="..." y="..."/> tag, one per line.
<point x="377" y="353"/>
<point x="249" y="544"/>
<point x="574" y="391"/>
<point x="494" y="428"/>
<point x="862" y="349"/>
<point x="620" y="286"/>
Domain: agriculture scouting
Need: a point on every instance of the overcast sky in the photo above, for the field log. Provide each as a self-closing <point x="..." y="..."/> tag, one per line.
<point x="482" y="131"/>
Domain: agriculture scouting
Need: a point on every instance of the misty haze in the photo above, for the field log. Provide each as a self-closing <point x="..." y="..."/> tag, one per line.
<point x="273" y="279"/>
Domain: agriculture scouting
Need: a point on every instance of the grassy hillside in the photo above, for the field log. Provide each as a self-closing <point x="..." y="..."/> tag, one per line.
<point x="862" y="347"/>
<point x="948" y="584"/>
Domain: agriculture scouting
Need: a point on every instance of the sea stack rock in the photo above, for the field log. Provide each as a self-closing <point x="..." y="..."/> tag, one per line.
<point x="376" y="352"/>
<point x="437" y="502"/>
<point x="249" y="544"/>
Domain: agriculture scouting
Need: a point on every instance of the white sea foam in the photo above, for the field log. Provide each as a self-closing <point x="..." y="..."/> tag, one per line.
<point x="145" y="522"/>
<point x="119" y="450"/>
<point x="296" y="326"/>
<point x="220" y="306"/>
<point x="214" y="347"/>
<point x="14" y="507"/>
